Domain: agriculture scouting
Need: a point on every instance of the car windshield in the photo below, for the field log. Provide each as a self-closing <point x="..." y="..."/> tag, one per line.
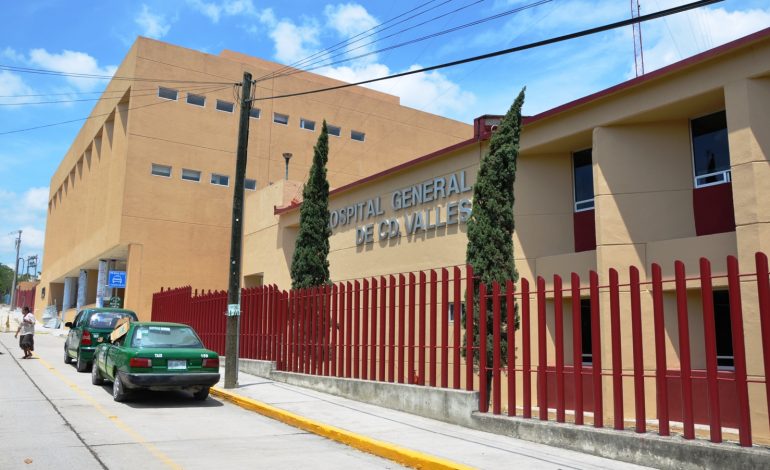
<point x="146" y="336"/>
<point x="107" y="320"/>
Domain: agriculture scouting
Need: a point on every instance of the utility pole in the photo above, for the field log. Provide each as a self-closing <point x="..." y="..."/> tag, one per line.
<point x="234" y="289"/>
<point x="15" y="270"/>
<point x="636" y="11"/>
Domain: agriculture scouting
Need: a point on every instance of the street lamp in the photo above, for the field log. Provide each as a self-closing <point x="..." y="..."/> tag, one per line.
<point x="287" y="157"/>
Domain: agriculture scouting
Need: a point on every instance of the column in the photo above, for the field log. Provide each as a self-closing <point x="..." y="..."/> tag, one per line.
<point x="101" y="283"/>
<point x="70" y="288"/>
<point x="82" y="289"/>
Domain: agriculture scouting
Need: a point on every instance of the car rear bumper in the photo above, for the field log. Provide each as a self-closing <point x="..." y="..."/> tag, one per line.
<point x="150" y="380"/>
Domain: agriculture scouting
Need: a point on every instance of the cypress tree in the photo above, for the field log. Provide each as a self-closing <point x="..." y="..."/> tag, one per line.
<point x="490" y="228"/>
<point x="310" y="264"/>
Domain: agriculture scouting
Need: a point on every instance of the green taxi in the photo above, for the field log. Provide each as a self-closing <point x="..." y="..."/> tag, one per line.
<point x="155" y="356"/>
<point x="91" y="327"/>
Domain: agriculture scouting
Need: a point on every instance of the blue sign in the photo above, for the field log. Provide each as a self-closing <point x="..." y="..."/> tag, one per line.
<point x="116" y="279"/>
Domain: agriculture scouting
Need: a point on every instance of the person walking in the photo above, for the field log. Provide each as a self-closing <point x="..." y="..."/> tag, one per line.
<point x="27" y="330"/>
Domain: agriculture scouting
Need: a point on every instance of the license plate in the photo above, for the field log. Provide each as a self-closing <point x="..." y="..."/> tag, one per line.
<point x="176" y="365"/>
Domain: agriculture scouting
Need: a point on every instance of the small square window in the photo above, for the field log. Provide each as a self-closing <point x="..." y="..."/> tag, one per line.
<point x="161" y="170"/>
<point x="167" y="93"/>
<point x="255" y="113"/>
<point x="334" y="130"/>
<point x="196" y="100"/>
<point x="250" y="184"/>
<point x="225" y="106"/>
<point x="307" y="124"/>
<point x="357" y="135"/>
<point x="191" y="175"/>
<point x="281" y="118"/>
<point x="220" y="180"/>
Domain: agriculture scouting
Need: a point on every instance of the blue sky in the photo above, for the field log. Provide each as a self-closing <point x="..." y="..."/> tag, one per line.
<point x="93" y="37"/>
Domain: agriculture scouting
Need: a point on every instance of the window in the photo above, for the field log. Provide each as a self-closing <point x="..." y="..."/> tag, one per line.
<point x="281" y="118"/>
<point x="710" y="150"/>
<point x="167" y="93"/>
<point x="191" y="175"/>
<point x="220" y="180"/>
<point x="225" y="106"/>
<point x="255" y="113"/>
<point x="585" y="331"/>
<point x="583" y="180"/>
<point x="250" y="184"/>
<point x="724" y="330"/>
<point x="451" y="310"/>
<point x="307" y="124"/>
<point x="161" y="170"/>
<point x="196" y="100"/>
<point x="334" y="130"/>
<point x="356" y="135"/>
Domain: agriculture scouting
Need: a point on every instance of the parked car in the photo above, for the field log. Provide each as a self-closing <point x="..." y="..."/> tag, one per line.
<point x="91" y="327"/>
<point x="155" y="356"/>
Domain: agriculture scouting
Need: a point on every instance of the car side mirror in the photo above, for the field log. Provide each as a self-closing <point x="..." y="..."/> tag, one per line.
<point x="68" y="324"/>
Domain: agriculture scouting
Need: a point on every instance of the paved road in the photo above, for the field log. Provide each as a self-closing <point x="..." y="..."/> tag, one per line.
<point x="52" y="417"/>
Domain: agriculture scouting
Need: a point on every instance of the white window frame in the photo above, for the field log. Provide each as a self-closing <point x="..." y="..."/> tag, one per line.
<point x="726" y="175"/>
<point x="278" y="122"/>
<point x="170" y="170"/>
<point x="187" y="100"/>
<point x="176" y="93"/>
<point x="222" y="110"/>
<point x="259" y="113"/>
<point x="302" y="121"/>
<point x="249" y="179"/>
<point x="363" y="136"/>
<point x="217" y="184"/>
<point x="582" y="205"/>
<point x="328" y="128"/>
<point x="181" y="175"/>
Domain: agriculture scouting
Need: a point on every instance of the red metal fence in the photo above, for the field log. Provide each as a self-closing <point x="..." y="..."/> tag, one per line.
<point x="25" y="298"/>
<point x="406" y="328"/>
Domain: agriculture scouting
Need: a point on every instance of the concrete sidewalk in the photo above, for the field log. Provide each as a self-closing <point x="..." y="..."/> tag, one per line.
<point x="446" y="441"/>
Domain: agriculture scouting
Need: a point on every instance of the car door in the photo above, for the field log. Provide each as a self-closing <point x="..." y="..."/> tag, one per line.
<point x="73" y="340"/>
<point x="111" y="356"/>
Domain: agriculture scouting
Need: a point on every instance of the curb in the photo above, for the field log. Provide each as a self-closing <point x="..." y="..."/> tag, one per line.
<point x="401" y="455"/>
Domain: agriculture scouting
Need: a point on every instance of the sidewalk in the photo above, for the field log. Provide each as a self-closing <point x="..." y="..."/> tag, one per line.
<point x="446" y="441"/>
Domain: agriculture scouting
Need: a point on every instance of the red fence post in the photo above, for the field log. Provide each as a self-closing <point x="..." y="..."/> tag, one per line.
<point x="596" y="350"/>
<point x="739" y="352"/>
<point x="542" y="376"/>
<point x="617" y="358"/>
<point x="456" y="327"/>
<point x="483" y="400"/>
<point x="444" y="328"/>
<point x="433" y="326"/>
<point x="559" y="326"/>
<point x="401" y="326"/>
<point x="709" y="333"/>
<point x="496" y="346"/>
<point x="383" y="314"/>
<point x="357" y="331"/>
<point x="577" y="347"/>
<point x="526" y="381"/>
<point x="763" y="292"/>
<point x="660" y="350"/>
<point x="684" y="350"/>
<point x="392" y="329"/>
<point x="410" y="361"/>
<point x="511" y="346"/>
<point x="636" y="334"/>
<point x="373" y="340"/>
<point x="364" y="313"/>
<point x="349" y="328"/>
<point x="469" y="293"/>
<point x="333" y="332"/>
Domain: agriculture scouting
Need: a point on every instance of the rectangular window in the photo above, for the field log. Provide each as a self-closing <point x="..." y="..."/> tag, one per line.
<point x="356" y="135"/>
<point x="225" y="106"/>
<point x="220" y="180"/>
<point x="334" y="130"/>
<point x="307" y="124"/>
<point x="191" y="175"/>
<point x="161" y="170"/>
<point x="451" y="310"/>
<point x="167" y="93"/>
<point x="585" y="331"/>
<point x="250" y="184"/>
<point x="583" y="180"/>
<point x="281" y="118"/>
<point x="724" y="330"/>
<point x="710" y="150"/>
<point x="255" y="113"/>
<point x="196" y="100"/>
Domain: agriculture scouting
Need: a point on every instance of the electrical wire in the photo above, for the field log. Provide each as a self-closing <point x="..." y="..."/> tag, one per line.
<point x="101" y="115"/>
<point x="13" y="68"/>
<point x="545" y="42"/>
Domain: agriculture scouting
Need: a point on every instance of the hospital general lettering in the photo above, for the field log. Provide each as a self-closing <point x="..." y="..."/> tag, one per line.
<point x="412" y="221"/>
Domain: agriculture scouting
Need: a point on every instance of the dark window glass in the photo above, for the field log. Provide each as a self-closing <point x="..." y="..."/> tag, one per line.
<point x="221" y="180"/>
<point x="585" y="330"/>
<point x="167" y="93"/>
<point x="107" y="320"/>
<point x="165" y="337"/>
<point x="710" y="150"/>
<point x="584" y="180"/>
<point x="255" y="113"/>
<point x="197" y="100"/>
<point x="723" y="329"/>
<point x="280" y="118"/>
<point x="250" y="184"/>
<point x="225" y="106"/>
<point x="191" y="175"/>
<point x="333" y="130"/>
<point x="357" y="135"/>
<point x="307" y="124"/>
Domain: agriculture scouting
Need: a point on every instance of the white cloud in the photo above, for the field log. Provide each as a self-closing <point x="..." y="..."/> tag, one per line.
<point x="36" y="199"/>
<point x="349" y="19"/>
<point x="72" y="62"/>
<point x="153" y="25"/>
<point x="267" y="17"/>
<point x="11" y="54"/>
<point x="293" y="42"/>
<point x="214" y="11"/>
<point x="12" y="84"/>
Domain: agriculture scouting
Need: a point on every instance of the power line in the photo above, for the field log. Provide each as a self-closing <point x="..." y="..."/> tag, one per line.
<point x="545" y="42"/>
<point x="98" y="115"/>
<point x="122" y="93"/>
<point x="13" y="68"/>
<point x="423" y="38"/>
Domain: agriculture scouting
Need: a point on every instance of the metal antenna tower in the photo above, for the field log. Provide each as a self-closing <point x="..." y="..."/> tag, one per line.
<point x="638" y="52"/>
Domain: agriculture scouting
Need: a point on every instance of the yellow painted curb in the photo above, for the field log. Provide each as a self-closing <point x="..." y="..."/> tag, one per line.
<point x="383" y="449"/>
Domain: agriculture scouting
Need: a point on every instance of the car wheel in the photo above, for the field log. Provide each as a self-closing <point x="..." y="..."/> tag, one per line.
<point x="118" y="390"/>
<point x="67" y="358"/>
<point x="96" y="377"/>
<point x="81" y="365"/>
<point x="201" y="394"/>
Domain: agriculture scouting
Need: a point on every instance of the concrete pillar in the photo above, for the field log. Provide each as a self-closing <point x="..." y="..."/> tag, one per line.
<point x="82" y="288"/>
<point x="70" y="288"/>
<point x="101" y="283"/>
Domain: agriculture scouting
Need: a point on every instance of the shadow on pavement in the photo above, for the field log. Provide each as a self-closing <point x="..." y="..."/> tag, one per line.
<point x="171" y="399"/>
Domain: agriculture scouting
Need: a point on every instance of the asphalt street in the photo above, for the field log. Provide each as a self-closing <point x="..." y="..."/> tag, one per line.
<point x="52" y="417"/>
